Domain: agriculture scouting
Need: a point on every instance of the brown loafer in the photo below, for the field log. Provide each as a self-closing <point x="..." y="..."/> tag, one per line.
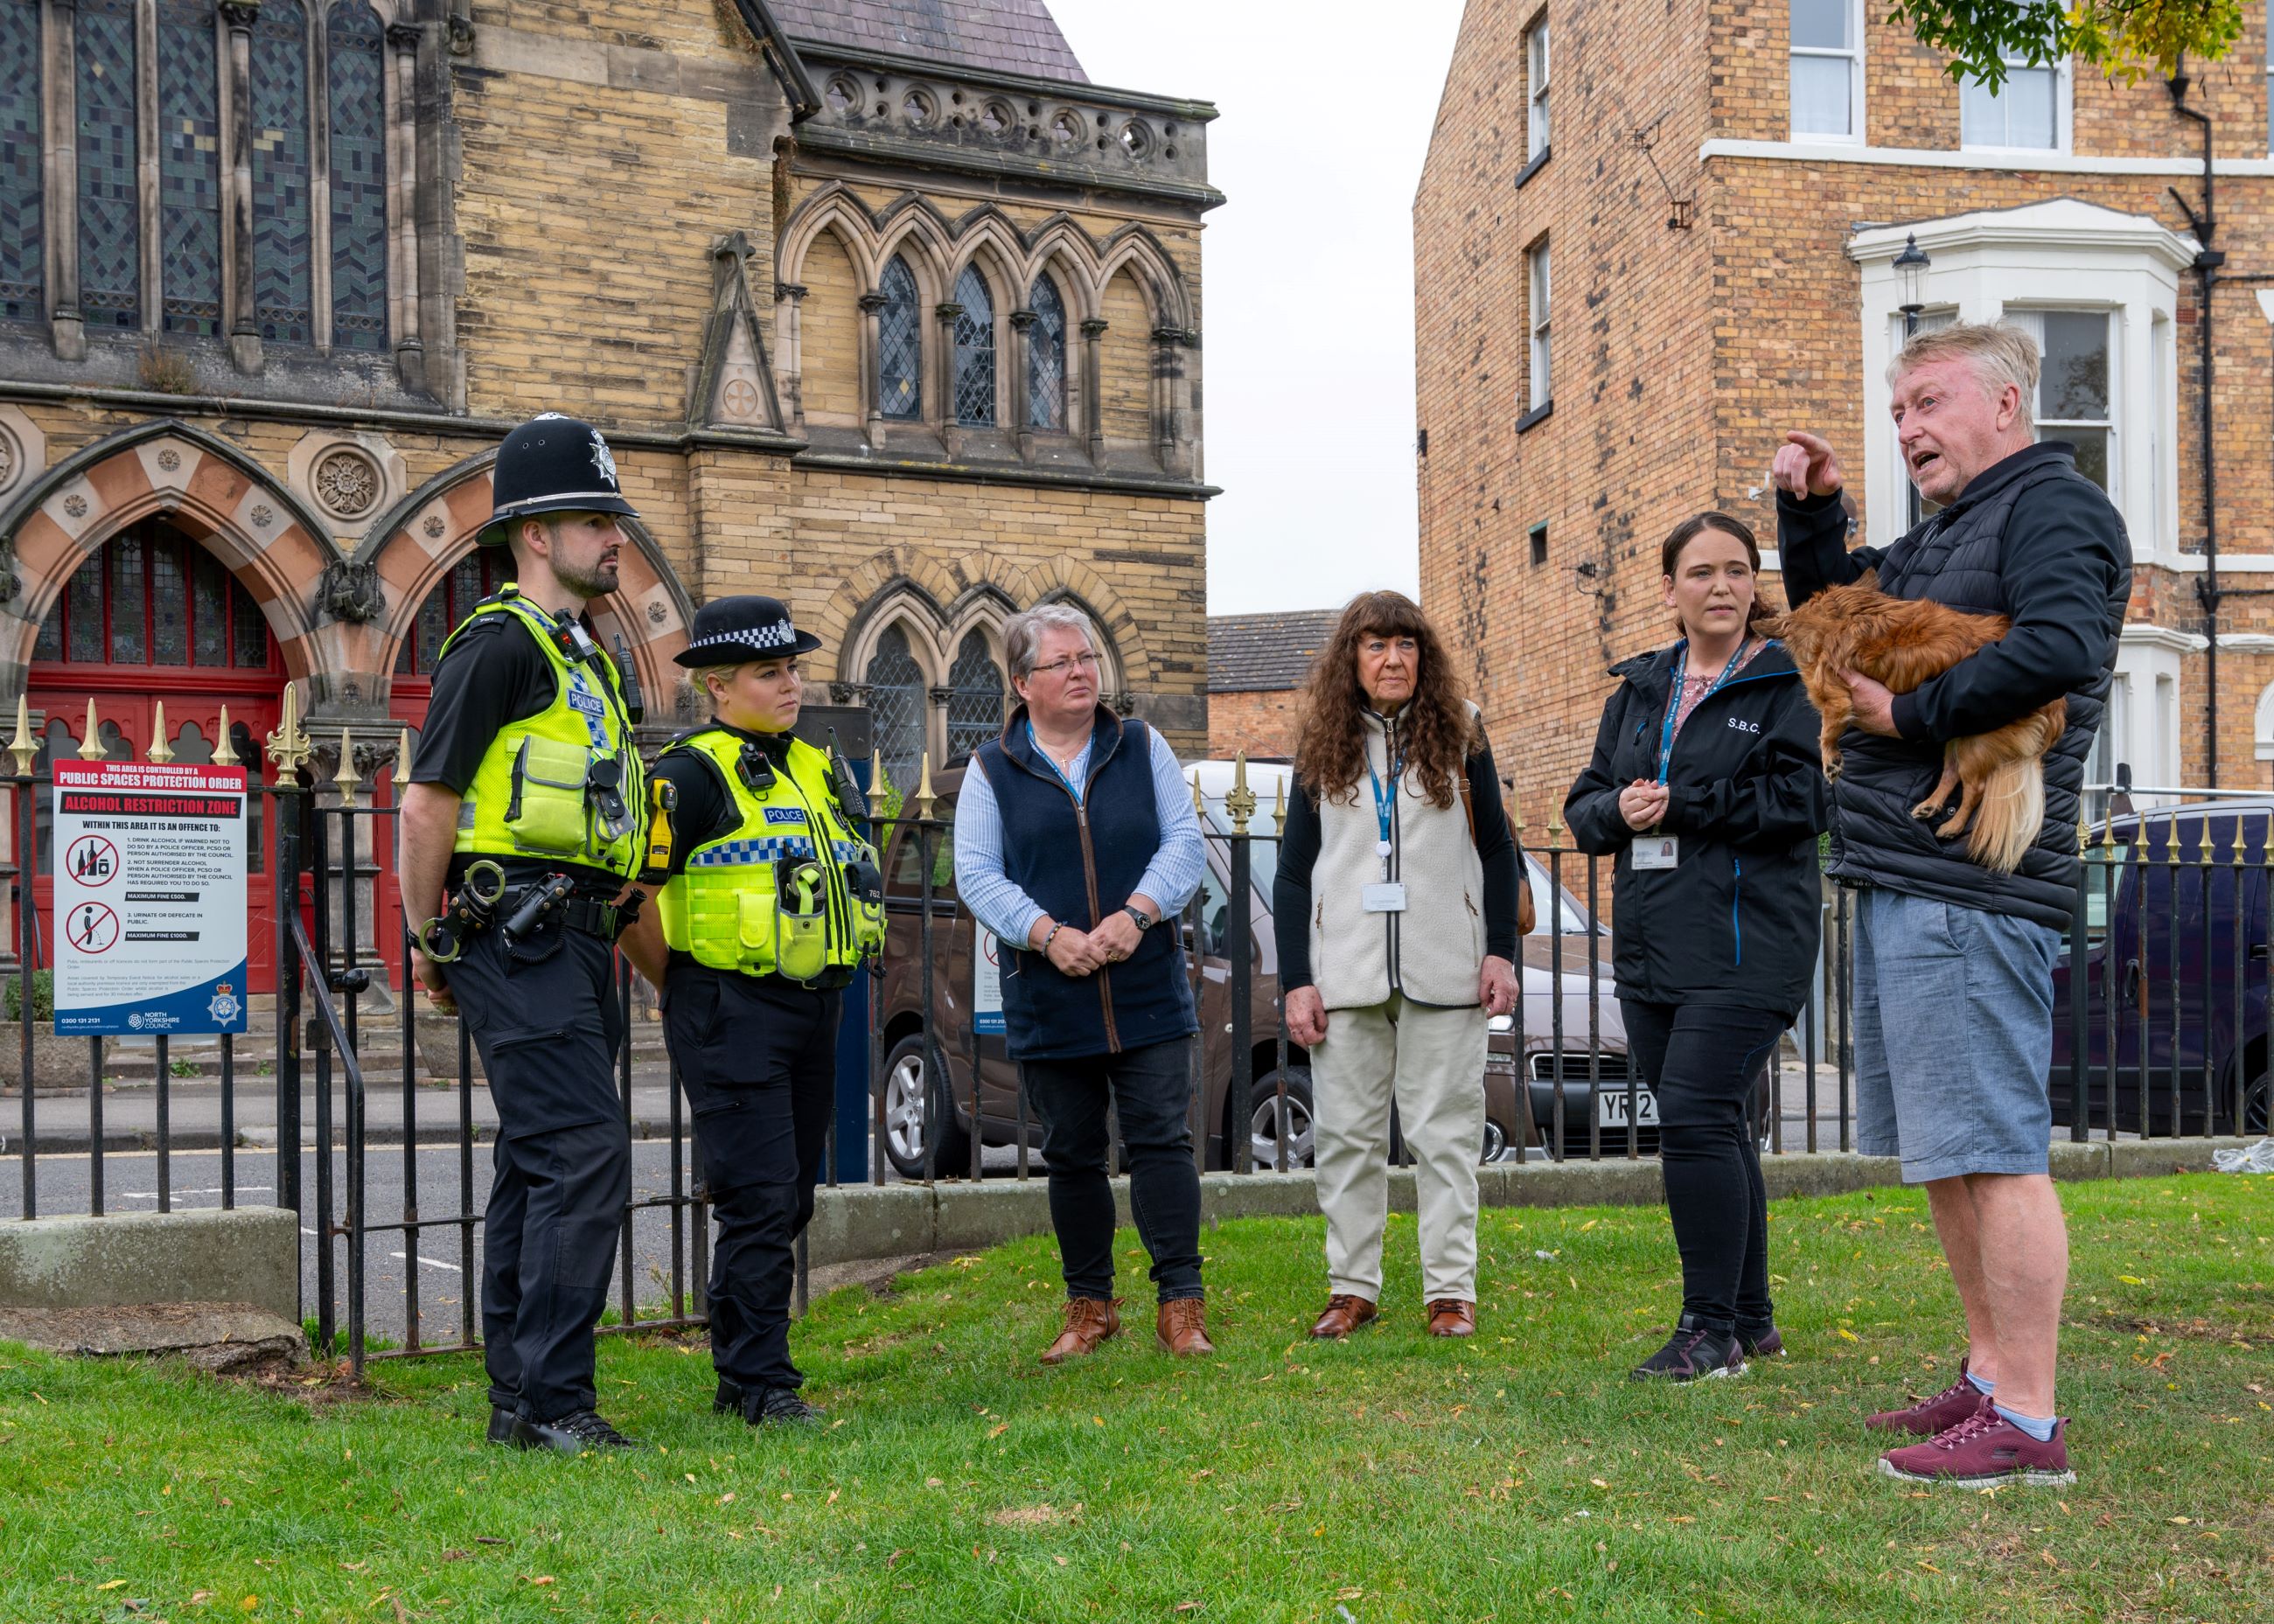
<point x="1344" y="1314"/>
<point x="1449" y="1316"/>
<point x="1182" y="1329"/>
<point x="1089" y="1320"/>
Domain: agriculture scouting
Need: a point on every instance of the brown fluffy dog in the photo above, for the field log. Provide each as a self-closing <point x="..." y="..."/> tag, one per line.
<point x="1902" y="643"/>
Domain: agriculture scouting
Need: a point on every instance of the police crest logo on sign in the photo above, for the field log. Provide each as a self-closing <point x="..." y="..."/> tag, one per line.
<point x="224" y="1006"/>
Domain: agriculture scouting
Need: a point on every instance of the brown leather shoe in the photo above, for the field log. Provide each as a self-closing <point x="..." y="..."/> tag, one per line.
<point x="1181" y="1328"/>
<point x="1344" y="1314"/>
<point x="1449" y="1316"/>
<point x="1089" y="1320"/>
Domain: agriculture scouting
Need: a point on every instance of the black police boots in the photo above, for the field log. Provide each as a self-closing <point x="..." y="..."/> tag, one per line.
<point x="571" y="1434"/>
<point x="502" y="1423"/>
<point x="778" y="1406"/>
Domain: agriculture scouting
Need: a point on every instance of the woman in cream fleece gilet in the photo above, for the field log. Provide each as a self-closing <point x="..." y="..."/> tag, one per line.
<point x="1395" y="908"/>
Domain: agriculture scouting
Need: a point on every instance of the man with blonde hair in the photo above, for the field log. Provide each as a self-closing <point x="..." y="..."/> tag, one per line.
<point x="1953" y="962"/>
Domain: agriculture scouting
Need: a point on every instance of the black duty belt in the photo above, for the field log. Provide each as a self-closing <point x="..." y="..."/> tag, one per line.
<point x="595" y="917"/>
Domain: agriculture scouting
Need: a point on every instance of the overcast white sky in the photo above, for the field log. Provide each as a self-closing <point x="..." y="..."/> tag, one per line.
<point x="1325" y="114"/>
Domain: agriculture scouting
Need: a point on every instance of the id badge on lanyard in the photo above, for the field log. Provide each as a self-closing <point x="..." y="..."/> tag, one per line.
<point x="1388" y="895"/>
<point x="1651" y="849"/>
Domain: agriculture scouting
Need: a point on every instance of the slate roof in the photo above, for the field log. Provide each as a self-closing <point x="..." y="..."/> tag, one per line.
<point x="1008" y="36"/>
<point x="1265" y="653"/>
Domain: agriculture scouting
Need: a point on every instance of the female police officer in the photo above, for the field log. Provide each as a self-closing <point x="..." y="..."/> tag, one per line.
<point x="525" y="800"/>
<point x="772" y="900"/>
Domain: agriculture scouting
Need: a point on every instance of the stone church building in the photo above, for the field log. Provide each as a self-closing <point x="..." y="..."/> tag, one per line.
<point x="1648" y="241"/>
<point x="883" y="307"/>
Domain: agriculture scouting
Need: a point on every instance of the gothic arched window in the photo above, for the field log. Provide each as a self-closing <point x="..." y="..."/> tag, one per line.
<point x="23" y="279"/>
<point x="189" y="166"/>
<point x="109" y="208"/>
<point x="896" y="707"/>
<point x="358" y="61"/>
<point x="974" y="349"/>
<point x="283" y="308"/>
<point x="1046" y="356"/>
<point x="974" y="698"/>
<point x="900" y="344"/>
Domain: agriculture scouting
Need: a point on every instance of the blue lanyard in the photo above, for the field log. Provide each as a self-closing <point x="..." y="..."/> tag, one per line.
<point x="1385" y="799"/>
<point x="1072" y="788"/>
<point x="1674" y="701"/>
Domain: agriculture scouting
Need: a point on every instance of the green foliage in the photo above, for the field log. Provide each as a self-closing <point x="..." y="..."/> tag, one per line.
<point x="43" y="996"/>
<point x="2127" y="39"/>
<point x="1517" y="1475"/>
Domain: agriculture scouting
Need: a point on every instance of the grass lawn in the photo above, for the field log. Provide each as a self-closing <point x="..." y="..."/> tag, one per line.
<point x="1518" y="1476"/>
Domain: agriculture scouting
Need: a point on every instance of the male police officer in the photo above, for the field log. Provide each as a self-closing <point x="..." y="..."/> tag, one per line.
<point x="528" y="800"/>
<point x="772" y="900"/>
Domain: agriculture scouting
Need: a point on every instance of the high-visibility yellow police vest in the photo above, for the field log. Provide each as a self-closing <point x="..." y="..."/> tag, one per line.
<point x="791" y="889"/>
<point x="565" y="784"/>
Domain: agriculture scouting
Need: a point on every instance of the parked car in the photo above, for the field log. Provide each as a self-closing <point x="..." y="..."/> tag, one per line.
<point x="2176" y="974"/>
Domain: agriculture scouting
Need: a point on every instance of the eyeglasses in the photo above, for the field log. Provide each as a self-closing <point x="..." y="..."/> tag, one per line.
<point x="1086" y="661"/>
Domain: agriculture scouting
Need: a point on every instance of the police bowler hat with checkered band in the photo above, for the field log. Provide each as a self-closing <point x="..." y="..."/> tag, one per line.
<point x="729" y="630"/>
<point x="552" y="465"/>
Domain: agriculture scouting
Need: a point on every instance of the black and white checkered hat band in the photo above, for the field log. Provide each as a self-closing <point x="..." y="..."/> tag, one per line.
<point x="780" y="635"/>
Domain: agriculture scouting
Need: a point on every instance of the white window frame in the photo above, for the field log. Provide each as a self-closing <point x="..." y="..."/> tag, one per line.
<point x="1536" y="79"/>
<point x="2029" y="316"/>
<point x="1540" y="281"/>
<point x="2064" y="108"/>
<point x="1854" y="55"/>
<point x="2064" y="255"/>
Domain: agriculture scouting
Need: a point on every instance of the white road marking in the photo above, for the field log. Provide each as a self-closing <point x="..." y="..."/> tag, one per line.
<point x="434" y="1263"/>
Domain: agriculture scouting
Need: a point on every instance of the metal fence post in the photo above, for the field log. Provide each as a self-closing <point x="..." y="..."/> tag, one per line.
<point x="1240" y="1120"/>
<point x="23" y="748"/>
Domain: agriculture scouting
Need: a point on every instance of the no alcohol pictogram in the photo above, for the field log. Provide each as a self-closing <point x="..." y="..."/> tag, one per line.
<point x="92" y="861"/>
<point x="94" y="928"/>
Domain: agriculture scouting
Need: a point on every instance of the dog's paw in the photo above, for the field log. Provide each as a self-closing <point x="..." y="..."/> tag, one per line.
<point x="1926" y="810"/>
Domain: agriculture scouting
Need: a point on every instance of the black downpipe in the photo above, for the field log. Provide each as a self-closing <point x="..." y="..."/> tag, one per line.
<point x="2208" y="260"/>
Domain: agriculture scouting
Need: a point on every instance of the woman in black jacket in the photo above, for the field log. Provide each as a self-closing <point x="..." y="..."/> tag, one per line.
<point x="1706" y="789"/>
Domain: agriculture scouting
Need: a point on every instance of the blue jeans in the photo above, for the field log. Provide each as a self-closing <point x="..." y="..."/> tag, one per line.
<point x="1953" y="1037"/>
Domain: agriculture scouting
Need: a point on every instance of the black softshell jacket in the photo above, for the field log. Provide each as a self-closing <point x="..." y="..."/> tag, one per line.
<point x="1735" y="921"/>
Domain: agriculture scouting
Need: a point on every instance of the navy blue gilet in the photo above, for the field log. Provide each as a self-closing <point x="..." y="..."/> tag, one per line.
<point x="1081" y="863"/>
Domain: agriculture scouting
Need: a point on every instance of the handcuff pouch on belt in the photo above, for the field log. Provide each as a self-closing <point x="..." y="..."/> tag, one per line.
<point x="472" y="910"/>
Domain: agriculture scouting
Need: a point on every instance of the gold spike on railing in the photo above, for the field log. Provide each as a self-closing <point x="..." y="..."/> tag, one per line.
<point x="1241" y="801"/>
<point x="923" y="796"/>
<point x="23" y="747"/>
<point x="1279" y="808"/>
<point x="90" y="749"/>
<point x="876" y="779"/>
<point x="401" y="764"/>
<point x="1516" y="813"/>
<point x="161" y="752"/>
<point x="225" y="752"/>
<point x="345" y="780"/>
<point x="1200" y="802"/>
<point x="289" y="748"/>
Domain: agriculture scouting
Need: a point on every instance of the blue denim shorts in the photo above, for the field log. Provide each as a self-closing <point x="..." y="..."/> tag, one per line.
<point x="1953" y="1036"/>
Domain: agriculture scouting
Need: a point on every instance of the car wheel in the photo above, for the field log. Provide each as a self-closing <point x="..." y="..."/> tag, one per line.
<point x="904" y="1087"/>
<point x="1495" y="1143"/>
<point x="2257" y="1103"/>
<point x="1264" y="1127"/>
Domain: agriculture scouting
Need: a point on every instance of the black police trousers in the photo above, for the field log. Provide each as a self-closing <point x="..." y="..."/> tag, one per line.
<point x="544" y="1015"/>
<point x="758" y="1057"/>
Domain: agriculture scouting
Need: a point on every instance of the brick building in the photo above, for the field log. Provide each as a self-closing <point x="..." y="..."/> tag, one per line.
<point x="1649" y="241"/>
<point x="1257" y="666"/>
<point x="885" y="308"/>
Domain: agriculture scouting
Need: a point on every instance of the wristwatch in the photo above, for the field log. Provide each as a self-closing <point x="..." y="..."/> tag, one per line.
<point x="1138" y="914"/>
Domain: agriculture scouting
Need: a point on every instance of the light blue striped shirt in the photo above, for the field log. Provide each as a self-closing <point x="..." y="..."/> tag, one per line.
<point x="998" y="903"/>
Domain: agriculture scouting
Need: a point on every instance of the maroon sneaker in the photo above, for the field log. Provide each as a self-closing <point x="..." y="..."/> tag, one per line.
<point x="1946" y="1409"/>
<point x="1983" y="1452"/>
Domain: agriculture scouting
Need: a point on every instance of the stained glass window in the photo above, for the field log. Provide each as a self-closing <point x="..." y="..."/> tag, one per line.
<point x="896" y="707"/>
<point x="1046" y="356"/>
<point x="151" y="596"/>
<point x="471" y="579"/>
<point x="22" y="278"/>
<point x="358" y="58"/>
<point x="109" y="211"/>
<point x="974" y="349"/>
<point x="189" y="166"/>
<point x="974" y="699"/>
<point x="281" y="241"/>
<point x="900" y="342"/>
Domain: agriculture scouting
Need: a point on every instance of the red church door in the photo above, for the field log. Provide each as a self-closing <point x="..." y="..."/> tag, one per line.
<point x="152" y="618"/>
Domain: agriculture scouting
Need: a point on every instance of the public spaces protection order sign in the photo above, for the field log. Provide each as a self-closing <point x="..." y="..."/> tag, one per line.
<point x="150" y="898"/>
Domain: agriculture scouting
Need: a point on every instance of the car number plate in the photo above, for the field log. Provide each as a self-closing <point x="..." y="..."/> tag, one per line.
<point x="1611" y="1106"/>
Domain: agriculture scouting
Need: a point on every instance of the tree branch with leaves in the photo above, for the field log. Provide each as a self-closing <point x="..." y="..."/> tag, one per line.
<point x="2127" y="39"/>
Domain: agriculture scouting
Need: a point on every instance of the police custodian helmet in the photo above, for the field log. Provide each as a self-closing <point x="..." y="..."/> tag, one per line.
<point x="552" y="465"/>
<point x="746" y="627"/>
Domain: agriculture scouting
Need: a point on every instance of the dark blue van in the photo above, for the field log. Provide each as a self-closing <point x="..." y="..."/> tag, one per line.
<point x="2177" y="975"/>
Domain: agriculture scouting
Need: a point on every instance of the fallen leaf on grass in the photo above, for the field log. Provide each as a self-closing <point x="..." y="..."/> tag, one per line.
<point x="1188" y="1606"/>
<point x="486" y="1539"/>
<point x="2131" y="1279"/>
<point x="453" y="1556"/>
<point x="540" y="1579"/>
<point x="1848" y="1336"/>
<point x="112" y="1584"/>
<point x="998" y="1431"/>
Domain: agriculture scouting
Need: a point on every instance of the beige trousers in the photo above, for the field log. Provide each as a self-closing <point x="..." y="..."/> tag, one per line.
<point x="1432" y="1061"/>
